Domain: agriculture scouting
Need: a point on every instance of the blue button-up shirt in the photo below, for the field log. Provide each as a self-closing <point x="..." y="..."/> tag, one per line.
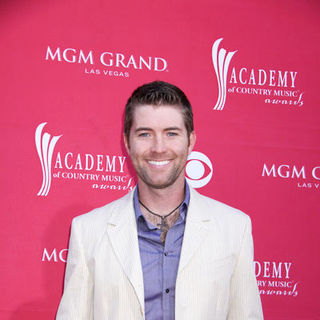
<point x="160" y="261"/>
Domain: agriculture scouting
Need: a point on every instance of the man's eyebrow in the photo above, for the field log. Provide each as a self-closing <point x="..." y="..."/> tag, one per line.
<point x="173" y="129"/>
<point x="143" y="129"/>
<point x="150" y="129"/>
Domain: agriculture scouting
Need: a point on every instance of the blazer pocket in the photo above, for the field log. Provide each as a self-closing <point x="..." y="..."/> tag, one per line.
<point x="221" y="268"/>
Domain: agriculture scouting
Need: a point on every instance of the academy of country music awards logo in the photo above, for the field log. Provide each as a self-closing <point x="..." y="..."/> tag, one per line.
<point x="102" y="172"/>
<point x="275" y="278"/>
<point x="106" y="63"/>
<point x="306" y="177"/>
<point x="276" y="87"/>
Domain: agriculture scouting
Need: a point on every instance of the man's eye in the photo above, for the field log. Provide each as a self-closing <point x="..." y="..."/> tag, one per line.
<point x="171" y="134"/>
<point x="144" y="134"/>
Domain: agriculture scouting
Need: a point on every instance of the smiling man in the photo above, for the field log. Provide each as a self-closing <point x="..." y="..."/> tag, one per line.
<point x="162" y="251"/>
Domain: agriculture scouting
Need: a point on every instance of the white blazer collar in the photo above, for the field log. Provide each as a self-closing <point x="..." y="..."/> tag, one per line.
<point x="196" y="228"/>
<point x="122" y="232"/>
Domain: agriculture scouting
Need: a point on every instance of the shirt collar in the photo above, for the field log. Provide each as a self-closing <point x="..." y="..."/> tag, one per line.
<point x="184" y="205"/>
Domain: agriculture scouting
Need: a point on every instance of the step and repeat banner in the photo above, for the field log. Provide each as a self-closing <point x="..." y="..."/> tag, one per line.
<point x="251" y="72"/>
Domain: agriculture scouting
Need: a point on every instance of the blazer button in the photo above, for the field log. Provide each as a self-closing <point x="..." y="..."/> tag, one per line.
<point x="167" y="290"/>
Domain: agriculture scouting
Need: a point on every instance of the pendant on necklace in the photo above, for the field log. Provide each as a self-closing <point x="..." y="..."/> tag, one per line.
<point x="163" y="226"/>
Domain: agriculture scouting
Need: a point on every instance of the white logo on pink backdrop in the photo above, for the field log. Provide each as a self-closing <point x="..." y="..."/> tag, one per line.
<point x="198" y="164"/>
<point x="107" y="64"/>
<point x="54" y="255"/>
<point x="45" y="145"/>
<point x="274" y="278"/>
<point x="221" y="60"/>
<point x="305" y="176"/>
<point x="275" y="87"/>
<point x="100" y="171"/>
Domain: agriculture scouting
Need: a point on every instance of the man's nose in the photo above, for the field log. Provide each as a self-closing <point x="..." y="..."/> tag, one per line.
<point x="158" y="144"/>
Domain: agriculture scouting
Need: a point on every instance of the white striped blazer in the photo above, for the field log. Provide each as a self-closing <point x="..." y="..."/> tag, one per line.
<point x="215" y="278"/>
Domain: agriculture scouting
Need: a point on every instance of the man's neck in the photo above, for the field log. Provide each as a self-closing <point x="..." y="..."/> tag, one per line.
<point x="163" y="200"/>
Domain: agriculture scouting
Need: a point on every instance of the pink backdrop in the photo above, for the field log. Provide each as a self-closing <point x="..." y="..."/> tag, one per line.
<point x="67" y="68"/>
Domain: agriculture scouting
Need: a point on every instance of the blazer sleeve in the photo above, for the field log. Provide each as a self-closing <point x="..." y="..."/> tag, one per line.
<point x="77" y="299"/>
<point x="245" y="303"/>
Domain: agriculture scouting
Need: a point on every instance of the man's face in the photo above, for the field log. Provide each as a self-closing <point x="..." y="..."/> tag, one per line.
<point x="159" y="145"/>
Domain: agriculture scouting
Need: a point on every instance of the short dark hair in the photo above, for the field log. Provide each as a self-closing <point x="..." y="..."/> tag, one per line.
<point x="158" y="93"/>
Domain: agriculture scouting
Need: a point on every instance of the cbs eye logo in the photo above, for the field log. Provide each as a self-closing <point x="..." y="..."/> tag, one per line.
<point x="198" y="169"/>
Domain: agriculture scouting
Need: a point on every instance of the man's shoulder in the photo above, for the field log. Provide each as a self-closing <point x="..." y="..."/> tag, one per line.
<point x="218" y="209"/>
<point x="103" y="214"/>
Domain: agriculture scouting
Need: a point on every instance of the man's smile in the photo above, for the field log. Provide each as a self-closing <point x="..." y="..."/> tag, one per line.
<point x="158" y="163"/>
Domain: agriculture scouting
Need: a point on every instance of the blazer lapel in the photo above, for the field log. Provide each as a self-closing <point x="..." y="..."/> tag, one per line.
<point x="196" y="228"/>
<point x="122" y="231"/>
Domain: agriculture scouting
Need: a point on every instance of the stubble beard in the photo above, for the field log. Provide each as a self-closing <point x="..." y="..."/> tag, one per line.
<point x="160" y="185"/>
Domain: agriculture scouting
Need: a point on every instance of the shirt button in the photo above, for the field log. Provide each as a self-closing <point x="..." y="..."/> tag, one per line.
<point x="167" y="290"/>
<point x="166" y="253"/>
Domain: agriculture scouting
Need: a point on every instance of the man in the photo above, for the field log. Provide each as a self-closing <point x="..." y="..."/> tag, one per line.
<point x="162" y="251"/>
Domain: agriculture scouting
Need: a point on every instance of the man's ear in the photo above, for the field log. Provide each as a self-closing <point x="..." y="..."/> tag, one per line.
<point x="126" y="142"/>
<point x="192" y="141"/>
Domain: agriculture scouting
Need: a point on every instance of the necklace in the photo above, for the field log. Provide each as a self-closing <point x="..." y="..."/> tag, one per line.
<point x="163" y="226"/>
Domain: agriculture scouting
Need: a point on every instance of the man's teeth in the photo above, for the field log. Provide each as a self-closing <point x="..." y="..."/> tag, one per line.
<point x="158" y="163"/>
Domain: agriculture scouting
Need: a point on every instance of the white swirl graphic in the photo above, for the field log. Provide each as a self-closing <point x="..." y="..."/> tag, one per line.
<point x="195" y="169"/>
<point x="45" y="147"/>
<point x="221" y="63"/>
